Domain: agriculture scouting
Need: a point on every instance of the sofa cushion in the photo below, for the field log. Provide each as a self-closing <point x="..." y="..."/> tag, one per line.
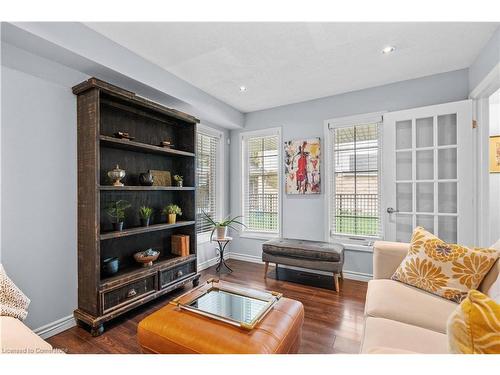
<point x="387" y="333"/>
<point x="492" y="275"/>
<point x="16" y="338"/>
<point x="474" y="326"/>
<point x="385" y="350"/>
<point x="324" y="251"/>
<point x="394" y="300"/>
<point x="447" y="270"/>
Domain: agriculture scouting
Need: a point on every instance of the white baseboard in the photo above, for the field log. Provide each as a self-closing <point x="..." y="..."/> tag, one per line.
<point x="56" y="327"/>
<point x="208" y="263"/>
<point x="245" y="257"/>
<point x="352" y="275"/>
<point x="360" y="276"/>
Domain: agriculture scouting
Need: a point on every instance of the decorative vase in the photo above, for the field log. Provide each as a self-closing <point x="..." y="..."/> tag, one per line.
<point x="110" y="266"/>
<point x="116" y="175"/>
<point x="221" y="232"/>
<point x="118" y="226"/>
<point x="146" y="179"/>
<point x="145" y="222"/>
<point x="179" y="183"/>
<point x="172" y="218"/>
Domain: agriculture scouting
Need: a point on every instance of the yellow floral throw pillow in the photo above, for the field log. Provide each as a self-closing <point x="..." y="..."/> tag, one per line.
<point x="446" y="270"/>
<point x="474" y="327"/>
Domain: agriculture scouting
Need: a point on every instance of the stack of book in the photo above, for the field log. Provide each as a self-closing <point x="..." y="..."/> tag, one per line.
<point x="180" y="245"/>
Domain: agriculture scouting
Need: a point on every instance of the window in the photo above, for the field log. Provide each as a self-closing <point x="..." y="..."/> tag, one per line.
<point x="210" y="180"/>
<point x="261" y="181"/>
<point x="354" y="165"/>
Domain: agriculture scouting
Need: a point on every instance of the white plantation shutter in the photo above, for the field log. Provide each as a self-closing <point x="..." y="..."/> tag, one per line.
<point x="261" y="183"/>
<point x="355" y="204"/>
<point x="206" y="167"/>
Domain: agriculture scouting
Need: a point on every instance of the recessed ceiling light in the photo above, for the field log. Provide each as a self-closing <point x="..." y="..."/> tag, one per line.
<point x="388" y="49"/>
<point x="243" y="88"/>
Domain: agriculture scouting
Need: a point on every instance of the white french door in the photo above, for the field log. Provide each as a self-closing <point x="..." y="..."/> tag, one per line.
<point x="428" y="176"/>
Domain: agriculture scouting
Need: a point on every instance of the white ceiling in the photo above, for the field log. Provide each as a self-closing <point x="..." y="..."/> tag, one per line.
<point x="282" y="63"/>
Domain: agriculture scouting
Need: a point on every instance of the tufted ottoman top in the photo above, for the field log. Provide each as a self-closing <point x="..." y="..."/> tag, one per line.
<point x="315" y="250"/>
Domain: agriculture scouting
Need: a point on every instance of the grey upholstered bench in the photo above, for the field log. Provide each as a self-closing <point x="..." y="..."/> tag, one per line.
<point x="316" y="255"/>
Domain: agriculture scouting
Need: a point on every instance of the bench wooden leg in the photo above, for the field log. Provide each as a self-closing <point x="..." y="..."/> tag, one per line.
<point x="336" y="280"/>
<point x="266" y="265"/>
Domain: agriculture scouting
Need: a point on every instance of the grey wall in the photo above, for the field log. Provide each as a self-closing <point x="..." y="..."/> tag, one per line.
<point x="304" y="217"/>
<point x="39" y="193"/>
<point x="487" y="59"/>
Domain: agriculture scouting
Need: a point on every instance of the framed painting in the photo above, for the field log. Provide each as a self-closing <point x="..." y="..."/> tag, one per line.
<point x="495" y="154"/>
<point x="302" y="166"/>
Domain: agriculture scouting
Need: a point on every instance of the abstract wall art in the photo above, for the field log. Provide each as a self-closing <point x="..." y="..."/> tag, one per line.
<point x="495" y="154"/>
<point x="302" y="166"/>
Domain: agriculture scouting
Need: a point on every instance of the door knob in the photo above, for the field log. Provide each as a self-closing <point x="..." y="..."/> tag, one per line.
<point x="391" y="210"/>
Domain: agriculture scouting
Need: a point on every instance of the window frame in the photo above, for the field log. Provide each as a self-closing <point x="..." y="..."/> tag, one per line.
<point x="220" y="176"/>
<point x="276" y="131"/>
<point x="353" y="242"/>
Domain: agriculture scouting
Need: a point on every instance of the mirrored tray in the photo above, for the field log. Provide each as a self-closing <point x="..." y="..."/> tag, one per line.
<point x="229" y="303"/>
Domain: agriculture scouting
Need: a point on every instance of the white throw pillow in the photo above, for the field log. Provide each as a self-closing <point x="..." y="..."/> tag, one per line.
<point x="13" y="302"/>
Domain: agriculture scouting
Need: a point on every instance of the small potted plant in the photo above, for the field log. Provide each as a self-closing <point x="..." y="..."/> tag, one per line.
<point x="178" y="179"/>
<point x="221" y="226"/>
<point x="171" y="211"/>
<point x="145" y="215"/>
<point x="116" y="211"/>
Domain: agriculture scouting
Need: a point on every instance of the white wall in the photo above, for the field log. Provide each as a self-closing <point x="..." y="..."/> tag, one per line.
<point x="494" y="180"/>
<point x="304" y="216"/>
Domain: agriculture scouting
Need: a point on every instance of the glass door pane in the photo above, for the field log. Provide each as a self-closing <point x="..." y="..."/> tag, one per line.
<point x="447" y="129"/>
<point x="424" y="132"/>
<point x="403" y="134"/>
<point x="403" y="166"/>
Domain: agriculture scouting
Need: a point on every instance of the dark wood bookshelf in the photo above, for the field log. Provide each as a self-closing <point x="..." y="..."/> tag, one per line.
<point x="103" y="110"/>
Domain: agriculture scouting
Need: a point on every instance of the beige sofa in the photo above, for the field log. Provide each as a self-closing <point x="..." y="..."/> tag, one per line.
<point x="403" y="319"/>
<point x="17" y="338"/>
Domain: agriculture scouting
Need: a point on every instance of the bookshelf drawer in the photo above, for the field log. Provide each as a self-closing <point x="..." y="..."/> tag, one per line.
<point x="170" y="275"/>
<point x="123" y="295"/>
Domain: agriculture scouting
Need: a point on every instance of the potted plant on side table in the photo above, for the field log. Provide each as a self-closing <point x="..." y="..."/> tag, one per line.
<point x="171" y="211"/>
<point x="145" y="215"/>
<point x="116" y="211"/>
<point x="220" y="227"/>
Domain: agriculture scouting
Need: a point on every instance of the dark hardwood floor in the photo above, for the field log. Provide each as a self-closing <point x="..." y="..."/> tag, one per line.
<point x="333" y="322"/>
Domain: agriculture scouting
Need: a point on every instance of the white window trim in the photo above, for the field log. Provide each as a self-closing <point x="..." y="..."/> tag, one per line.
<point x="359" y="243"/>
<point x="245" y="233"/>
<point x="221" y="176"/>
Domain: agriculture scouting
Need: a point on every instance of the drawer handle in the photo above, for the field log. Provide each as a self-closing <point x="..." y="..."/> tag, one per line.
<point x="131" y="293"/>
<point x="180" y="273"/>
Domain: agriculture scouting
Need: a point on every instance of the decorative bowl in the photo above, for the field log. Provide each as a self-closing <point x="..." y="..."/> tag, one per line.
<point x="146" y="257"/>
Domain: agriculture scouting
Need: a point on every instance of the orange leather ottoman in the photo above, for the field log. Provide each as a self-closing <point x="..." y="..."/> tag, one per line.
<point x="171" y="330"/>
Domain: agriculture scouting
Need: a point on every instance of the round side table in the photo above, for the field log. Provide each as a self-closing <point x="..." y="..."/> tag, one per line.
<point x="222" y="242"/>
